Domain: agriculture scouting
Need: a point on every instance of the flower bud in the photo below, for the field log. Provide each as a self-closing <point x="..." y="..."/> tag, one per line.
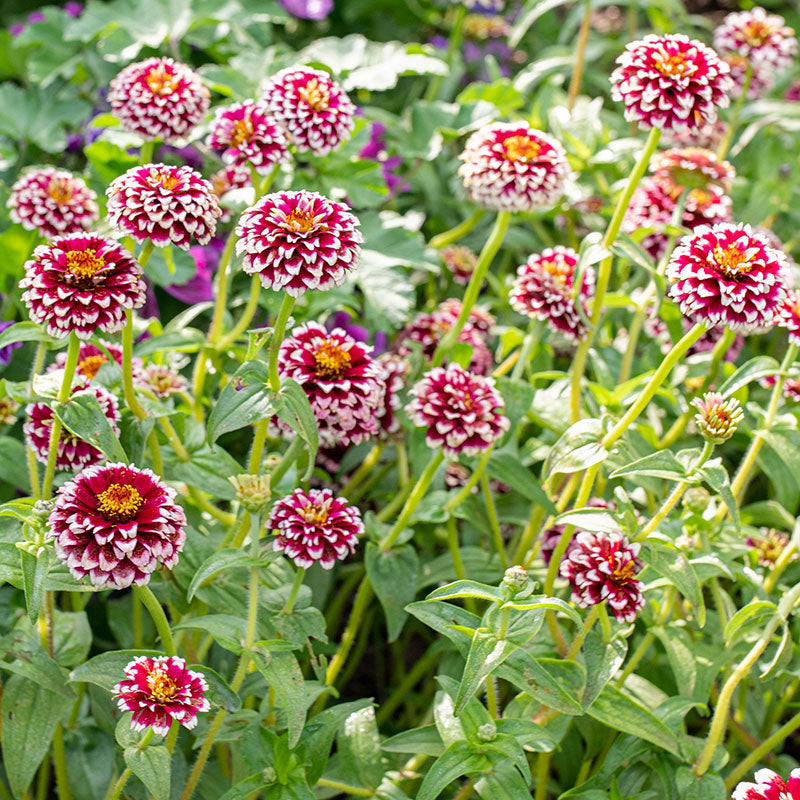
<point x="515" y="579"/>
<point x="696" y="499"/>
<point x="487" y="732"/>
<point x="252" y="491"/>
<point x="717" y="418"/>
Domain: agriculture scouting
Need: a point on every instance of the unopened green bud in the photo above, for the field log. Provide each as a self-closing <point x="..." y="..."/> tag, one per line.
<point x="515" y="578"/>
<point x="487" y="732"/>
<point x="696" y="499"/>
<point x="252" y="491"/>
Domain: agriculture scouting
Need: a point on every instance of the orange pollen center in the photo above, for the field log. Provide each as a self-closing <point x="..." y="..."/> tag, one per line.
<point x="90" y="365"/>
<point x="160" y="81"/>
<point x="60" y="190"/>
<point x="757" y="32"/>
<point x="624" y="573"/>
<point x="300" y="222"/>
<point x="732" y="261"/>
<point x="331" y="361"/>
<point x="162" y="688"/>
<point x="166" y="180"/>
<point x="315" y="515"/>
<point x="560" y="270"/>
<point x="241" y="132"/>
<point x="119" y="503"/>
<point x="700" y="196"/>
<point x="316" y="94"/>
<point x="672" y="66"/>
<point x="82" y="266"/>
<point x="521" y="148"/>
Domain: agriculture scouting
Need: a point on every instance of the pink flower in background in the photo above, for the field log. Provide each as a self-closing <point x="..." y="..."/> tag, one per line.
<point x="769" y="785"/>
<point x="308" y="9"/>
<point x="764" y="39"/>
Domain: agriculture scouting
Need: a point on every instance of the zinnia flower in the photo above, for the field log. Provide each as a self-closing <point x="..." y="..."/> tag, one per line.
<point x="769" y="786"/>
<point x="159" y="690"/>
<point x="52" y="202"/>
<point x="396" y="369"/>
<point x="769" y="546"/>
<point x="82" y="283"/>
<point x="728" y="275"/>
<point x="671" y="83"/>
<point x="461" y="261"/>
<point x="8" y="410"/>
<point x="91" y="358"/>
<point x="545" y="289"/>
<point x="167" y="205"/>
<point x="343" y="383"/>
<point x="315" y="527"/>
<point x="463" y="412"/>
<point x="313" y="109"/>
<point x="788" y="316"/>
<point x="603" y="566"/>
<point x="762" y="77"/>
<point x="73" y="453"/>
<point x="296" y="241"/>
<point x="692" y="167"/>
<point x="509" y="166"/>
<point x="247" y="135"/>
<point x="117" y="524"/>
<point x="764" y="39"/>
<point x="159" y="99"/>
<point x="716" y="417"/>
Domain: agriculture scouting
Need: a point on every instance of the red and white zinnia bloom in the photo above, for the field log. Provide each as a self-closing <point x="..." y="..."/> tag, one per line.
<point x="602" y="567"/>
<point x="248" y="135"/>
<point x="788" y="316"/>
<point x="544" y="289"/>
<point x="315" y="527"/>
<point x="159" y="99"/>
<point x="116" y="524"/>
<point x="163" y="204"/>
<point x="53" y="202"/>
<point x="82" y="283"/>
<point x="509" y="166"/>
<point x="728" y="275"/>
<point x="463" y="412"/>
<point x="764" y="39"/>
<point x="296" y="241"/>
<point x="769" y="785"/>
<point x="311" y="107"/>
<point x="159" y="690"/>
<point x="671" y="83"/>
<point x="692" y="167"/>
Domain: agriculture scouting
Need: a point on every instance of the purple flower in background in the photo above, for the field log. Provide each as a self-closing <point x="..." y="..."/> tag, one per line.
<point x="16" y="29"/>
<point x="375" y="150"/>
<point x="5" y="352"/>
<point x="190" y="155"/>
<point x="73" y="9"/>
<point x="343" y="320"/>
<point x="308" y="9"/>
<point x="36" y="16"/>
<point x="199" y="289"/>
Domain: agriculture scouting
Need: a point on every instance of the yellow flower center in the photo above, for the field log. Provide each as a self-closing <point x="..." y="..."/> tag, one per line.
<point x="160" y="81"/>
<point x="521" y="148"/>
<point x="732" y="261"/>
<point x="60" y="189"/>
<point x="757" y="32"/>
<point x="331" y="361"/>
<point x="314" y="514"/>
<point x="623" y="574"/>
<point x="162" y="688"/>
<point x="316" y="94"/>
<point x="300" y="222"/>
<point x="241" y="132"/>
<point x="700" y="196"/>
<point x="82" y="266"/>
<point x="674" y="66"/>
<point x="91" y="364"/>
<point x="160" y="177"/>
<point x="557" y="268"/>
<point x="119" y="503"/>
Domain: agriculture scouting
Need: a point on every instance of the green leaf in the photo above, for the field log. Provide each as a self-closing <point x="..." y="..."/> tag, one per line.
<point x="656" y="465"/>
<point x="507" y="468"/>
<point x="619" y="712"/>
<point x="552" y="683"/>
<point x="528" y="733"/>
<point x="219" y="693"/>
<point x="38" y="667"/>
<point x="394" y="575"/>
<point x="755" y="612"/>
<point x="30" y="715"/>
<point x="359" y="746"/>
<point x="465" y="588"/>
<point x="486" y="654"/>
<point x="457" y="760"/>
<point x="184" y="340"/>
<point x="83" y="416"/>
<point x="251" y="786"/>
<point x="217" y="562"/>
<point x="228" y="631"/>
<point x="447" y="619"/>
<point x="424" y="740"/>
<point x="151" y="765"/>
<point x="503" y="782"/>
<point x="23" y="332"/>
<point x="210" y="467"/>
<point x="169" y="266"/>
<point x="529" y="13"/>
<point x="282" y="673"/>
<point x="716" y="476"/>
<point x="34" y="572"/>
<point x="246" y="399"/>
<point x="13" y="463"/>
<point x="672" y="564"/>
<point x="710" y="786"/>
<point x="501" y="94"/>
<point x="781" y="657"/>
<point x="578" y="448"/>
<point x="295" y="410"/>
<point x="602" y="660"/>
<point x="752" y="370"/>
<point x="108" y="669"/>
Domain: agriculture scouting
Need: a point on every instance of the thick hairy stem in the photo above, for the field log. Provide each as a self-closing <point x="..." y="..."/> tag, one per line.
<point x="150" y="602"/>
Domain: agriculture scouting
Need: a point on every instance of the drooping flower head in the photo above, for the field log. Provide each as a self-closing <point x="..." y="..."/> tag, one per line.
<point x="545" y="289"/>
<point x="159" y="690"/>
<point x="81" y="283"/>
<point x="116" y="524"/>
<point x="248" y="135"/>
<point x="315" y="527"/>
<point x="461" y="261"/>
<point x="296" y="241"/>
<point x="788" y="315"/>
<point x="509" y="166"/>
<point x="764" y="39"/>
<point x="53" y="202"/>
<point x="463" y="412"/>
<point x="693" y="168"/>
<point x="343" y="383"/>
<point x="311" y="107"/>
<point x="717" y="417"/>
<point x="769" y="785"/>
<point x="603" y="566"/>
<point x="671" y="83"/>
<point x="73" y="453"/>
<point x="728" y="275"/>
<point x="165" y="204"/>
<point x="159" y="99"/>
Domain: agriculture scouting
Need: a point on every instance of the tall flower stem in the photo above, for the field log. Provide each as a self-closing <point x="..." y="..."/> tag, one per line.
<point x="247" y="315"/>
<point x="720" y="719"/>
<point x="33" y="466"/>
<point x="459" y="232"/>
<point x="127" y="369"/>
<point x="295" y="590"/>
<point x="604" y="270"/>
<point x="580" y="55"/>
<point x="456" y="36"/>
<point x="494" y="523"/>
<point x="55" y="432"/>
<point x="150" y="602"/>
<point x="489" y="251"/>
<point x="733" y="123"/>
<point x="278" y="331"/>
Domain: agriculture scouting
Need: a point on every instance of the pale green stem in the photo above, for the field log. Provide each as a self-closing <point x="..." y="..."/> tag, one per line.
<point x="580" y="55"/>
<point x="247" y="314"/>
<point x="278" y="331"/>
<point x="298" y="582"/>
<point x="150" y="602"/>
<point x="442" y="240"/>
<point x="471" y="483"/>
<point x="33" y="466"/>
<point x="345" y="788"/>
<point x="494" y="523"/>
<point x="733" y="123"/>
<point x="127" y="369"/>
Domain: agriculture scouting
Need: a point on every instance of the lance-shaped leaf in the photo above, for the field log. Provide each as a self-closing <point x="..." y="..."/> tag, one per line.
<point x="578" y="448"/>
<point x="246" y="399"/>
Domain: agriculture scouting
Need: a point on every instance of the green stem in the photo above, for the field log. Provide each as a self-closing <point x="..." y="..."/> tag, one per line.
<point x="580" y="55"/>
<point x="33" y="464"/>
<point x="446" y="238"/>
<point x="542" y="775"/>
<point x="298" y="582"/>
<point x="247" y="314"/>
<point x="489" y="251"/>
<point x="127" y="369"/>
<point x="467" y="488"/>
<point x="494" y="523"/>
<point x="55" y="432"/>
<point x="115" y="792"/>
<point x="733" y="124"/>
<point x="531" y="338"/>
<point x="150" y="602"/>
<point x="60" y="764"/>
<point x="360" y="604"/>
<point x="345" y="788"/>
<point x="146" y="152"/>
<point x="604" y="271"/>
<point x="215" y="331"/>
<point x="277" y="338"/>
<point x="363" y="471"/>
<point x="456" y="35"/>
